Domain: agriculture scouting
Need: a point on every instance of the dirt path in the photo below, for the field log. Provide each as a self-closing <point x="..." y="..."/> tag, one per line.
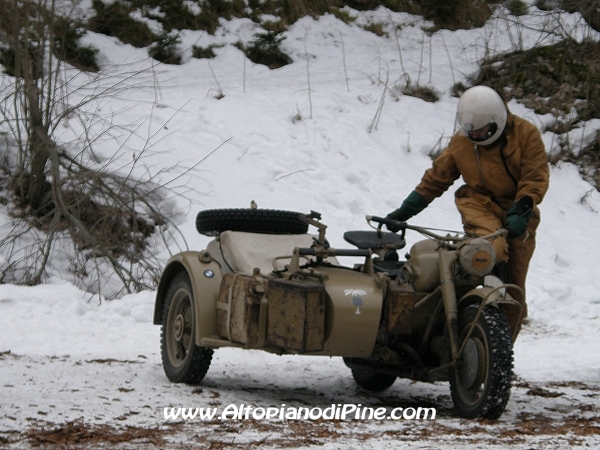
<point x="63" y="402"/>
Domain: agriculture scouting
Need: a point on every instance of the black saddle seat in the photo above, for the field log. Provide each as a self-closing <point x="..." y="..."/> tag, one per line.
<point x="375" y="239"/>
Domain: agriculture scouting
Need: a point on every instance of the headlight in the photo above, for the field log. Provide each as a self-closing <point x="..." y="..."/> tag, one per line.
<point x="477" y="257"/>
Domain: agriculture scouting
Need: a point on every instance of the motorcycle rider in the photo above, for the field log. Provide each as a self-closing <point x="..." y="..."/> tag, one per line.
<point x="502" y="160"/>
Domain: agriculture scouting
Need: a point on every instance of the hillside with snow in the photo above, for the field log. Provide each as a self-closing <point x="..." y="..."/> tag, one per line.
<point x="330" y="132"/>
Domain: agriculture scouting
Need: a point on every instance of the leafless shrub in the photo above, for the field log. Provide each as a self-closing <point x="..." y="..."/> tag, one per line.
<point x="102" y="219"/>
<point x="586" y="157"/>
<point x="427" y="93"/>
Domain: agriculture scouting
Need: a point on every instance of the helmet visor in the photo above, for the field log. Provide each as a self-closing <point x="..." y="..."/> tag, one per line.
<point x="480" y="134"/>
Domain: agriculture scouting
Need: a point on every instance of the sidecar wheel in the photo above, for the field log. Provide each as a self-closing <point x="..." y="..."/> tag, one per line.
<point x="183" y="361"/>
<point x="272" y="221"/>
<point x="371" y="380"/>
<point x="480" y="383"/>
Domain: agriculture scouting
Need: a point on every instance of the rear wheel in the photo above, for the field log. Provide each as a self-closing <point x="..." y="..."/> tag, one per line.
<point x="371" y="380"/>
<point x="480" y="383"/>
<point x="183" y="361"/>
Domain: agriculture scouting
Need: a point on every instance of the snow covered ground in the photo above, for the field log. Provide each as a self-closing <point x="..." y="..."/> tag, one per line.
<point x="76" y="372"/>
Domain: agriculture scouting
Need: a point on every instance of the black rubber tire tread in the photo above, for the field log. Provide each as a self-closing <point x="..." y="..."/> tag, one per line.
<point x="371" y="380"/>
<point x="197" y="359"/>
<point x="270" y="221"/>
<point x="499" y="353"/>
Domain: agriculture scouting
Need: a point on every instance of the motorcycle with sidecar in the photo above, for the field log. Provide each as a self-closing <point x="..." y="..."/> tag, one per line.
<point x="264" y="282"/>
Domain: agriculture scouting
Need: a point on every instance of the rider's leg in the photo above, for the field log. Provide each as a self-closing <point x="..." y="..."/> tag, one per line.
<point x="520" y="252"/>
<point x="481" y="216"/>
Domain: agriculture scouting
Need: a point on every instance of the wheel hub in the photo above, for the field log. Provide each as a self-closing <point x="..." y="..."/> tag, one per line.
<point x="469" y="364"/>
<point x="178" y="327"/>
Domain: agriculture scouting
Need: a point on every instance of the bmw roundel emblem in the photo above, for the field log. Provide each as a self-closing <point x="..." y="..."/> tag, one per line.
<point x="209" y="273"/>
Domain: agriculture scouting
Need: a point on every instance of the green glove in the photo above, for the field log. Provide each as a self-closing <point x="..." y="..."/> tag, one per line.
<point x="518" y="215"/>
<point x="411" y="206"/>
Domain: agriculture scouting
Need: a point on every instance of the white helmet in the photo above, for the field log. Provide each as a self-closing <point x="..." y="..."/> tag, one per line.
<point x="482" y="114"/>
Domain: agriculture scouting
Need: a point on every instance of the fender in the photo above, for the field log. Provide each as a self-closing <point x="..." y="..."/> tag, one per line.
<point x="205" y="275"/>
<point x="489" y="295"/>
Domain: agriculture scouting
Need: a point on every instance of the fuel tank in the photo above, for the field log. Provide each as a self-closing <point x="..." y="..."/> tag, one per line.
<point x="422" y="268"/>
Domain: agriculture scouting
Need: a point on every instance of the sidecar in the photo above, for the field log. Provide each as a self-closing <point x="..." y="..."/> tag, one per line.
<point x="258" y="289"/>
<point x="265" y="283"/>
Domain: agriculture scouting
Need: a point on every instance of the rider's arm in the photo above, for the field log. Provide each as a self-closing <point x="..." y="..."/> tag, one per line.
<point x="440" y="176"/>
<point x="534" y="165"/>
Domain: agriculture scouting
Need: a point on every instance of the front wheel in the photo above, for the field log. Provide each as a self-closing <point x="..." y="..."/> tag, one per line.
<point x="183" y="361"/>
<point x="481" y="380"/>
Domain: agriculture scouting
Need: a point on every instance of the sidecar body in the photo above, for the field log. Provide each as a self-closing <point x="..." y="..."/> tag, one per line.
<point x="238" y="280"/>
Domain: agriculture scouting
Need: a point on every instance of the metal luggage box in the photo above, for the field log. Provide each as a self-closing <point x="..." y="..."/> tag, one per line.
<point x="296" y="315"/>
<point x="281" y="313"/>
<point x="238" y="309"/>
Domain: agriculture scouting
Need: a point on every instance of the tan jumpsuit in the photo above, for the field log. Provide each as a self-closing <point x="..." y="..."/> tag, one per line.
<point x="495" y="176"/>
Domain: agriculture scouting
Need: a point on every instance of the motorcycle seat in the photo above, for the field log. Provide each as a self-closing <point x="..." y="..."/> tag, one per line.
<point x="375" y="240"/>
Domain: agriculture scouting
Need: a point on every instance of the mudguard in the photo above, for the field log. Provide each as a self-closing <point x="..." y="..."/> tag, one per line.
<point x="488" y="295"/>
<point x="205" y="275"/>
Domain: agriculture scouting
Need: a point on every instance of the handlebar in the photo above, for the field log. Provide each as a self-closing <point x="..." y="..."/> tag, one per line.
<point x="396" y="225"/>
<point x="391" y="224"/>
